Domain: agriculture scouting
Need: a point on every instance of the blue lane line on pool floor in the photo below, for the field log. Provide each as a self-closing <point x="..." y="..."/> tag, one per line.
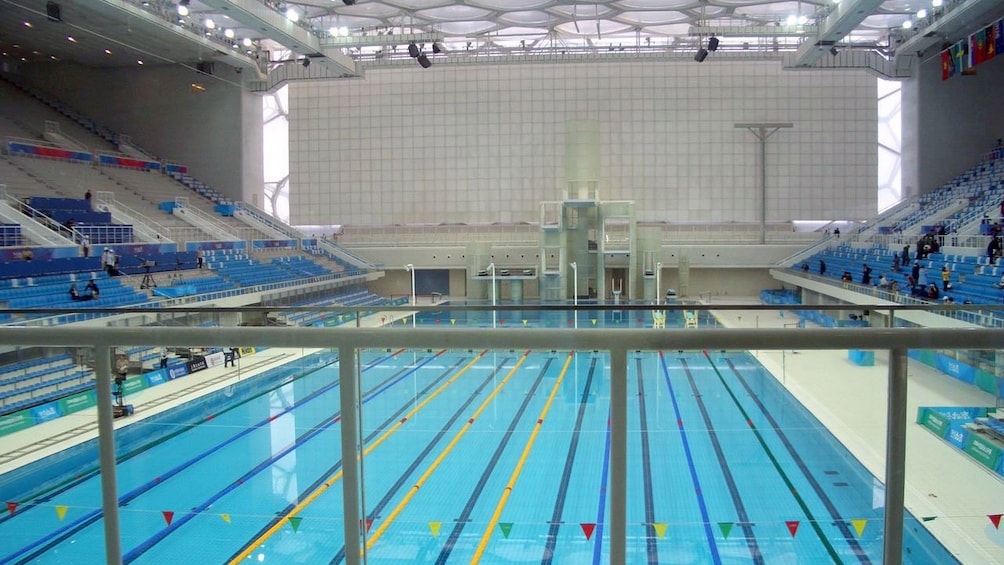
<point x="723" y="464"/>
<point x="841" y="523"/>
<point x="46" y="496"/>
<point x="712" y="543"/>
<point x="465" y="515"/>
<point x="651" y="545"/>
<point x="566" y="473"/>
<point x="267" y="463"/>
<point x="51" y="539"/>
<point x="322" y="478"/>
<point x="602" y="505"/>
<point x="403" y="478"/>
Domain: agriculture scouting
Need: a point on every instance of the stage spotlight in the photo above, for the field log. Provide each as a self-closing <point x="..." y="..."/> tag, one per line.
<point x="413" y="50"/>
<point x="701" y="55"/>
<point x="713" y="44"/>
<point x="424" y="61"/>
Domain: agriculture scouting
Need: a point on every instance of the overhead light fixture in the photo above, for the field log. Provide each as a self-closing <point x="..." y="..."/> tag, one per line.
<point x="713" y="44"/>
<point x="424" y="61"/>
<point x="936" y="3"/>
<point x="701" y="55"/>
<point x="228" y="33"/>
<point x="292" y="15"/>
<point x="413" y="50"/>
<point x="183" y="8"/>
<point x="908" y="24"/>
<point x="921" y="13"/>
<point x="247" y="42"/>
<point x="209" y="23"/>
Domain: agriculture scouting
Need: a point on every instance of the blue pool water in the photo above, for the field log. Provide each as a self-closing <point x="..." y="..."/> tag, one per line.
<point x="497" y="455"/>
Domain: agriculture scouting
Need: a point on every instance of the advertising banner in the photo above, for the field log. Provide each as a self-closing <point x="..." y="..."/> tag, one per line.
<point x="154" y="378"/>
<point x="177" y="371"/>
<point x="196" y="364"/>
<point x="982" y="451"/>
<point x="46" y="412"/>
<point x="214" y="359"/>
<point x="77" y="402"/>
<point x="14" y="422"/>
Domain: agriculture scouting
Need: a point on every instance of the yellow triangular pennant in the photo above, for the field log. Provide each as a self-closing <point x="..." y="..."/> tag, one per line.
<point x="660" y="529"/>
<point x="226" y="517"/>
<point x="434" y="528"/>
<point x="859" y="525"/>
<point x="61" y="511"/>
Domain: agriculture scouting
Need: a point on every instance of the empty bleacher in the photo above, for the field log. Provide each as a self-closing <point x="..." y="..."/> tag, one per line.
<point x="28" y="383"/>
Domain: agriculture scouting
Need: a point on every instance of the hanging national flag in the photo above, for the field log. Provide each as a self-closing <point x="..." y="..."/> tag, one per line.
<point x="998" y="36"/>
<point x="947" y="64"/>
<point x="978" y="47"/>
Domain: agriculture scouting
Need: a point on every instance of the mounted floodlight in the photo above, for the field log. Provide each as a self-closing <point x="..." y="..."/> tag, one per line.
<point x="713" y="44"/>
<point x="306" y="62"/>
<point x="701" y="55"/>
<point x="413" y="50"/>
<point x="424" y="61"/>
<point x="833" y="51"/>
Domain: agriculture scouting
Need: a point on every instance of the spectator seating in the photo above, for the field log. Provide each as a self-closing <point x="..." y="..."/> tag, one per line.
<point x="36" y="381"/>
<point x="10" y="235"/>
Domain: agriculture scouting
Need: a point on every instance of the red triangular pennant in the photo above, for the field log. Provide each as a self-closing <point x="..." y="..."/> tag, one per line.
<point x="168" y="516"/>
<point x="369" y="524"/>
<point x="994" y="518"/>
<point x="792" y="526"/>
<point x="588" y="529"/>
<point x="11" y="507"/>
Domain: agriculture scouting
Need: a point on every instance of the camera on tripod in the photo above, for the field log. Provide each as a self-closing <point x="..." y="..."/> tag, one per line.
<point x="148" y="280"/>
<point x="147" y="264"/>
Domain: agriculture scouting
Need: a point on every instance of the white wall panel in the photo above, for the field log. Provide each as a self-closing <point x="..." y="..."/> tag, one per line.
<point x="486" y="144"/>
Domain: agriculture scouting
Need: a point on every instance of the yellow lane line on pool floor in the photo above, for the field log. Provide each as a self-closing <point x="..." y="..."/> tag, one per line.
<point x="519" y="465"/>
<point x="334" y="478"/>
<point x="428" y="472"/>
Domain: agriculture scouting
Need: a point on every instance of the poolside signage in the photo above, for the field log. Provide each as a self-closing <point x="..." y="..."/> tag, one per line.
<point x="14" y="422"/>
<point x="934" y="421"/>
<point x="46" y="412"/>
<point x="177" y="371"/>
<point x="77" y="402"/>
<point x="197" y="364"/>
<point x="982" y="451"/>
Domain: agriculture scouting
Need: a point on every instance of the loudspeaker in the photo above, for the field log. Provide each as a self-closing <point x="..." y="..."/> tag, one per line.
<point x="701" y="55"/>
<point x="424" y="61"/>
<point x="204" y="67"/>
<point x="713" y="44"/>
<point x="52" y="10"/>
<point x="413" y="50"/>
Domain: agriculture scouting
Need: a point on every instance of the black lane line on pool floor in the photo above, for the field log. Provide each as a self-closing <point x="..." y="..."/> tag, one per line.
<point x="374" y="514"/>
<point x="694" y="478"/>
<point x="324" y="476"/>
<point x="465" y="515"/>
<point x="566" y="473"/>
<point x="777" y="467"/>
<point x="54" y="538"/>
<point x="841" y="523"/>
<point x="651" y="538"/>
<point x="144" y="546"/>
<point x="744" y="520"/>
<point x="53" y="491"/>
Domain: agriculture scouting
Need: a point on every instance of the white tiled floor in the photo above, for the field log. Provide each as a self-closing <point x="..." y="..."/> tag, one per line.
<point x="847" y="398"/>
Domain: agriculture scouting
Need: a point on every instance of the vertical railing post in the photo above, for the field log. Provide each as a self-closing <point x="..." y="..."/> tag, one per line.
<point x="618" y="456"/>
<point x="106" y="452"/>
<point x="350" y="454"/>
<point x="895" y="459"/>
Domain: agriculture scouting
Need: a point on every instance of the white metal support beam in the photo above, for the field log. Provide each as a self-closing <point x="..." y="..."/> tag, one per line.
<point x="275" y="26"/>
<point x="842" y="20"/>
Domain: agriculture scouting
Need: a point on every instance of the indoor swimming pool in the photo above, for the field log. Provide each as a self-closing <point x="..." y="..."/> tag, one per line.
<point x="473" y="456"/>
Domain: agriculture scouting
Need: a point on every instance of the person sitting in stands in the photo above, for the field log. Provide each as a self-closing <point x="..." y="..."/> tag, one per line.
<point x="1000" y="283"/>
<point x="846" y="277"/>
<point x="92" y="289"/>
<point x="805" y="267"/>
<point x="76" y="296"/>
<point x="883" y="282"/>
<point x="932" y="291"/>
